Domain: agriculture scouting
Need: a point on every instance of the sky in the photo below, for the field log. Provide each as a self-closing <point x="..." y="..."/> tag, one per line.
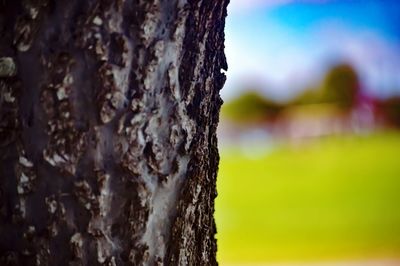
<point x="284" y="46"/>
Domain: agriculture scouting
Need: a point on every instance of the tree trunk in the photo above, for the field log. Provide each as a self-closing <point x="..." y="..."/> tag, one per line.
<point x="108" y="116"/>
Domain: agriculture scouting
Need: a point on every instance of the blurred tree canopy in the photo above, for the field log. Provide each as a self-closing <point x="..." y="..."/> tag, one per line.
<point x="250" y="107"/>
<point x="339" y="89"/>
<point x="340" y="86"/>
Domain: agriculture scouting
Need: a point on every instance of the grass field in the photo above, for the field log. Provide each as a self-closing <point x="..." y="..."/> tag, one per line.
<point x="335" y="199"/>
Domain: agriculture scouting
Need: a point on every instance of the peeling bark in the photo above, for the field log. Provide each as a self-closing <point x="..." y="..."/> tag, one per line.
<point x="108" y="116"/>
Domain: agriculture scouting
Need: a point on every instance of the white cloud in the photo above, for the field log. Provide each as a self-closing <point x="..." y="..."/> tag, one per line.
<point x="240" y="6"/>
<point x="376" y="59"/>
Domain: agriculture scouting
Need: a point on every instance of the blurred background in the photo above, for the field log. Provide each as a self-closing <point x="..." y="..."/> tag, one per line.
<point x="309" y="135"/>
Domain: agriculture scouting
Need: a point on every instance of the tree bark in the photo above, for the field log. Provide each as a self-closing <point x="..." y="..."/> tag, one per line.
<point x="108" y="116"/>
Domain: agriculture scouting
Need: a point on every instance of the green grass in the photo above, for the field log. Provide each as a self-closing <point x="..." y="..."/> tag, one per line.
<point x="338" y="198"/>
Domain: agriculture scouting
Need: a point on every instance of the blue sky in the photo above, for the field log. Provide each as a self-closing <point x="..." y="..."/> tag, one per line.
<point x="283" y="46"/>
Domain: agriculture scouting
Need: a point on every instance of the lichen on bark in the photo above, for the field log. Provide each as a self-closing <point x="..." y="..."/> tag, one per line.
<point x="108" y="116"/>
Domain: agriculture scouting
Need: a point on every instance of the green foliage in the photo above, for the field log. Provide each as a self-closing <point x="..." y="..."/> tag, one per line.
<point x="340" y="86"/>
<point x="250" y="107"/>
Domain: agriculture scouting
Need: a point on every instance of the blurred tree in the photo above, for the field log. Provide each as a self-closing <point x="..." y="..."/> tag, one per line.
<point x="340" y="86"/>
<point x="250" y="107"/>
<point x="108" y="116"/>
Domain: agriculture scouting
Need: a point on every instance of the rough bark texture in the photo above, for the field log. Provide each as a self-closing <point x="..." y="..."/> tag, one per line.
<point x="108" y="115"/>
